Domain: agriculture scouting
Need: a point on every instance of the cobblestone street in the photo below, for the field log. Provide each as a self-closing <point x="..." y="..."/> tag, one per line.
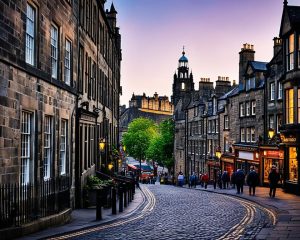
<point x="181" y="213"/>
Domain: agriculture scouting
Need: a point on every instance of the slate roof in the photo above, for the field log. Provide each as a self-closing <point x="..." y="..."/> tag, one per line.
<point x="259" y="66"/>
<point x="294" y="14"/>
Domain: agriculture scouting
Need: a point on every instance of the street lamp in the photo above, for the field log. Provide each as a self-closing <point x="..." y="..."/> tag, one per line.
<point x="218" y="153"/>
<point x="102" y="149"/>
<point x="271" y="133"/>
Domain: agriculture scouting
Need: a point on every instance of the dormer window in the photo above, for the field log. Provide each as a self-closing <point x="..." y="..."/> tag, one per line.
<point x="290" y="49"/>
<point x="250" y="83"/>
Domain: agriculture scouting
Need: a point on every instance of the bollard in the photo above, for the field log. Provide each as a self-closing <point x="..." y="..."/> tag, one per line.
<point x="125" y="194"/>
<point x="133" y="189"/>
<point x="99" y="204"/>
<point x="120" y="199"/>
<point x="129" y="193"/>
<point x="114" y="201"/>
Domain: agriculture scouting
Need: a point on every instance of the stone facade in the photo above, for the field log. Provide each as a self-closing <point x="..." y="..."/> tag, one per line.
<point x="29" y="93"/>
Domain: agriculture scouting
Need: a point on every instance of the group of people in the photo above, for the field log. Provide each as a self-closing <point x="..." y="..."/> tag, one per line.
<point x="237" y="179"/>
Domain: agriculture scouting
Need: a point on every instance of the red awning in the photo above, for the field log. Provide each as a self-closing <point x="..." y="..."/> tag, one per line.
<point x="132" y="166"/>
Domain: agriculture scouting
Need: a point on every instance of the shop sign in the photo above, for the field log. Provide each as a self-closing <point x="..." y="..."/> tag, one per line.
<point x="273" y="154"/>
<point x="289" y="139"/>
<point x="246" y="155"/>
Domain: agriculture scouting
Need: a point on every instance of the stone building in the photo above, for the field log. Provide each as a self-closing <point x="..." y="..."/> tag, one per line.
<point x="98" y="89"/>
<point x="157" y="108"/>
<point x="59" y="95"/>
<point x="38" y="81"/>
<point x="290" y="129"/>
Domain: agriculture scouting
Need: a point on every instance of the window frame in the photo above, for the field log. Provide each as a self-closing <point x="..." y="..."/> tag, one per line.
<point x="68" y="62"/>
<point x="242" y="109"/>
<point x="289" y="108"/>
<point x="30" y="34"/>
<point x="280" y="91"/>
<point x="226" y="122"/>
<point x="63" y="147"/>
<point x="53" y="48"/>
<point x="252" y="134"/>
<point x="272" y="91"/>
<point x="248" y="109"/>
<point x="48" y="146"/>
<point x="290" y="51"/>
<point x="242" y="134"/>
<point x="253" y="108"/>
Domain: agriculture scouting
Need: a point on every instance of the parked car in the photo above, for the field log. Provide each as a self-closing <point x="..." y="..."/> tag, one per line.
<point x="146" y="177"/>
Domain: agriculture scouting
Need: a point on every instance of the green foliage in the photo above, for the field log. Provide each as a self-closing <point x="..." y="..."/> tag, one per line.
<point x="138" y="137"/>
<point x="161" y="147"/>
<point x="93" y="182"/>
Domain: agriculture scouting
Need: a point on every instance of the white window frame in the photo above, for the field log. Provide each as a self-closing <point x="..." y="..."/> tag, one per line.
<point x="248" y="134"/>
<point x="26" y="147"/>
<point x="271" y="122"/>
<point x="280" y="90"/>
<point x="182" y="86"/>
<point x="290" y="50"/>
<point x="247" y="108"/>
<point x="30" y="34"/>
<point x="242" y="109"/>
<point x="63" y="147"/>
<point x="68" y="61"/>
<point x="54" y="50"/>
<point x="226" y="122"/>
<point x="253" y="107"/>
<point x="48" y="146"/>
<point x="242" y="134"/>
<point x="252" y="134"/>
<point x="272" y="91"/>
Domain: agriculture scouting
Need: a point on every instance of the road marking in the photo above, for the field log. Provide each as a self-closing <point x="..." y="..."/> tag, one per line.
<point x="145" y="211"/>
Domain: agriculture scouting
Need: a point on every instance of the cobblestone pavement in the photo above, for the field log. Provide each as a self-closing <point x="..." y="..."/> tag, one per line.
<point x="181" y="213"/>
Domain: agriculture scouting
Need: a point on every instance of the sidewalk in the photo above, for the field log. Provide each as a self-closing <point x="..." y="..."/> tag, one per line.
<point x="287" y="207"/>
<point x="84" y="218"/>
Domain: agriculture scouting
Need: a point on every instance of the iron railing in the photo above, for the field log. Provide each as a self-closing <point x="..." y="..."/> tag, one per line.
<point x="21" y="204"/>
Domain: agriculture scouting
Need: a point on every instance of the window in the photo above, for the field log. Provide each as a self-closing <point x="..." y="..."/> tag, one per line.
<point x="217" y="125"/>
<point x="279" y="90"/>
<point x="248" y="108"/>
<point x="279" y="122"/>
<point x="26" y="147"/>
<point x="242" y="110"/>
<point x="68" y="46"/>
<point x="242" y="134"/>
<point x="226" y="122"/>
<point x="209" y="126"/>
<point x="293" y="164"/>
<point x="253" y="107"/>
<point x="54" y="51"/>
<point x="47" y="146"/>
<point x="289" y="106"/>
<point x="272" y="91"/>
<point x="248" y="135"/>
<point x="253" y="134"/>
<point x="215" y="106"/>
<point x="213" y="126"/>
<point x="63" y="147"/>
<point x="250" y="83"/>
<point x="30" y="34"/>
<point x="182" y="86"/>
<point x="290" y="52"/>
<point x="226" y="145"/>
<point x="81" y="69"/>
<point x="271" y="122"/>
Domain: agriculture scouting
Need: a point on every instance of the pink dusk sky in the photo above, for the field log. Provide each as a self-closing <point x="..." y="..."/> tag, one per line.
<point x="212" y="31"/>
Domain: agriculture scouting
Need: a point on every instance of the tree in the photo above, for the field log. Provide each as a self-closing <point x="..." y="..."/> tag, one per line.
<point x="161" y="147"/>
<point x="138" y="137"/>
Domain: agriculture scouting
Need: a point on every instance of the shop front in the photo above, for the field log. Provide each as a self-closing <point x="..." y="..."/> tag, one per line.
<point x="271" y="157"/>
<point x="227" y="163"/>
<point x="213" y="167"/>
<point x="247" y="156"/>
<point x="291" y="144"/>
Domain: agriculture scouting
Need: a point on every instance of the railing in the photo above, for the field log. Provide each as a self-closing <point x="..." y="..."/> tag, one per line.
<point x="21" y="204"/>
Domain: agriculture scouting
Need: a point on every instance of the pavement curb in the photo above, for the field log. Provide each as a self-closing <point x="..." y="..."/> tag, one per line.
<point x="105" y="222"/>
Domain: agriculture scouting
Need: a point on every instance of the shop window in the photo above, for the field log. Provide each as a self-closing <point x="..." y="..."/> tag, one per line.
<point x="293" y="164"/>
<point x="289" y="106"/>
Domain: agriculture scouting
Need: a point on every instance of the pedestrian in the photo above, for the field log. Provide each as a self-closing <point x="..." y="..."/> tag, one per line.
<point x="252" y="180"/>
<point x="205" y="180"/>
<point x="273" y="181"/>
<point x="232" y="179"/>
<point x="225" y="179"/>
<point x="200" y="179"/>
<point x="180" y="179"/>
<point x="220" y="180"/>
<point x="215" y="178"/>
<point x="240" y="180"/>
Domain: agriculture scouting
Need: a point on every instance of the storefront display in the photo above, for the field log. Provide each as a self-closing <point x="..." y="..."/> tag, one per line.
<point x="293" y="165"/>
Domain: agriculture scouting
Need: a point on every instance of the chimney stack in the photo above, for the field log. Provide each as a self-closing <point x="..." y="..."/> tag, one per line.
<point x="246" y="54"/>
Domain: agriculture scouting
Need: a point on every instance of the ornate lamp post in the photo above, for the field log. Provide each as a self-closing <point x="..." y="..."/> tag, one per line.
<point x="102" y="149"/>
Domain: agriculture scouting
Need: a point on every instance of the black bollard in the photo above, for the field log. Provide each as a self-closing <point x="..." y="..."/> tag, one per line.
<point x="129" y="192"/>
<point x="99" y="204"/>
<point x="114" y="201"/>
<point x="125" y="194"/>
<point x="120" y="199"/>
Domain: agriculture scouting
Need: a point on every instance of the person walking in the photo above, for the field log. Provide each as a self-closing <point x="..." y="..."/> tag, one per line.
<point x="205" y="180"/>
<point x="252" y="180"/>
<point x="273" y="181"/>
<point x="232" y="179"/>
<point x="180" y="179"/>
<point x="240" y="180"/>
<point x="225" y="179"/>
<point x="192" y="182"/>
